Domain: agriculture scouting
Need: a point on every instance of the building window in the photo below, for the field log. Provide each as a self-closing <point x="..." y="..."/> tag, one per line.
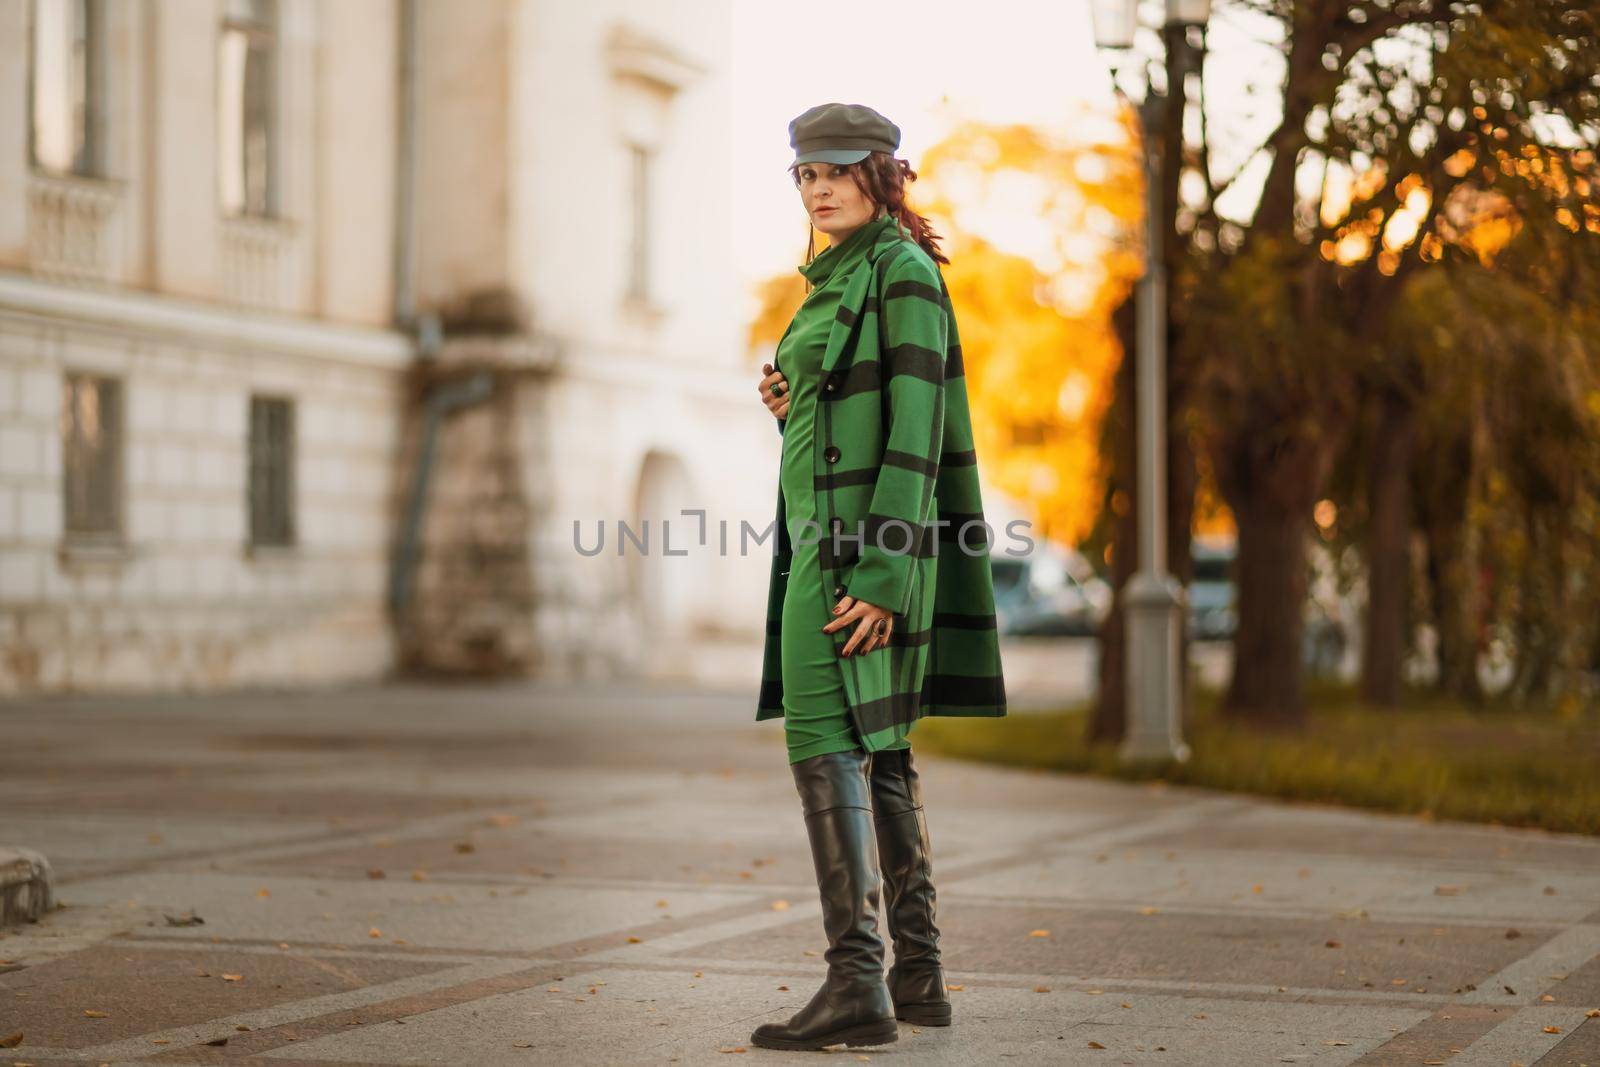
<point x="91" y="469"/>
<point x="639" y="250"/>
<point x="271" y="471"/>
<point x="247" y="113"/>
<point x="66" y="86"/>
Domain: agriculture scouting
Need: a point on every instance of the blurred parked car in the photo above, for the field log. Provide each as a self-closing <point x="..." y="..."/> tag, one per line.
<point x="1213" y="598"/>
<point x="1050" y="591"/>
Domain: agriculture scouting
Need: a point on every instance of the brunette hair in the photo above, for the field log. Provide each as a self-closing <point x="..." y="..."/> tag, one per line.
<point x="882" y="180"/>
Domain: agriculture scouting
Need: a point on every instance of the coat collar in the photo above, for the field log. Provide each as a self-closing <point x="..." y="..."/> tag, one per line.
<point x="885" y="235"/>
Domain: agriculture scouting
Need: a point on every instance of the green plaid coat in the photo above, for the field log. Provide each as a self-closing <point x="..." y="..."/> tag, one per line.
<point x="894" y="462"/>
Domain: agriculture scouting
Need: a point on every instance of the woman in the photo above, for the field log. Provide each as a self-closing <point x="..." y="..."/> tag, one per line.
<point x="867" y="632"/>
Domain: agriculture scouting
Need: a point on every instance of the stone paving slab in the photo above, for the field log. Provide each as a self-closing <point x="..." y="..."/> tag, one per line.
<point x="158" y="990"/>
<point x="461" y="915"/>
<point x="651" y="840"/>
<point x="1393" y="887"/>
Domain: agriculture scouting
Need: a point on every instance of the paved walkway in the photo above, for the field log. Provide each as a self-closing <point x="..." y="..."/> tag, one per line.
<point x="538" y="875"/>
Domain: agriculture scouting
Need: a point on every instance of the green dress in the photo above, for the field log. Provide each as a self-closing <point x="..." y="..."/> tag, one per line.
<point x="816" y="713"/>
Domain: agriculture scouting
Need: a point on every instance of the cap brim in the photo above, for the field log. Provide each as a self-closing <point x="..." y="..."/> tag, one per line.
<point x="832" y="155"/>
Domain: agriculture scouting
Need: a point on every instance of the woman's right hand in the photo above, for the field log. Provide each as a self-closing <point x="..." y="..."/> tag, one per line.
<point x="778" y="405"/>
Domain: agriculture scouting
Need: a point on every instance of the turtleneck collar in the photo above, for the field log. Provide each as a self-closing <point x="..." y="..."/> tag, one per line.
<point x="822" y="265"/>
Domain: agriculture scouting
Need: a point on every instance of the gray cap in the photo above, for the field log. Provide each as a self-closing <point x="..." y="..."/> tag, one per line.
<point x="841" y="133"/>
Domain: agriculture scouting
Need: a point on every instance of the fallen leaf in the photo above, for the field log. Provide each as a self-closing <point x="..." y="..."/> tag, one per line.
<point x="739" y="1049"/>
<point x="1096" y="1044"/>
<point x="502" y="820"/>
<point x="233" y="978"/>
<point x="419" y="876"/>
<point x="780" y="905"/>
<point x="1513" y="933"/>
<point x="1149" y="910"/>
<point x="783" y="989"/>
<point x="11" y="1040"/>
<point x="521" y="1044"/>
<point x="1040" y="933"/>
<point x="1330" y="943"/>
<point x="1256" y="888"/>
<point x="810" y="952"/>
<point x="376" y="873"/>
<point x="374" y="932"/>
<point x="91" y="1013"/>
<point x="955" y="988"/>
<point x="466" y="846"/>
<point x="1447" y="890"/>
<point x="218" y="1041"/>
<point x="1335" y="1041"/>
<point x="633" y="940"/>
<point x="1041" y="989"/>
<point x="1552" y="1029"/>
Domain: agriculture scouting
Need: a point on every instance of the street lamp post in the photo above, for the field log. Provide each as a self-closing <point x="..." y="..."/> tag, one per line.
<point x="1153" y="598"/>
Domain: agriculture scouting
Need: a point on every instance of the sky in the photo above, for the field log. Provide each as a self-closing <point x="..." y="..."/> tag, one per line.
<point x="929" y="65"/>
<point x="924" y="66"/>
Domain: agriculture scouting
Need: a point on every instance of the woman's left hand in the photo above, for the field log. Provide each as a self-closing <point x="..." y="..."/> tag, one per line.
<point x="866" y="617"/>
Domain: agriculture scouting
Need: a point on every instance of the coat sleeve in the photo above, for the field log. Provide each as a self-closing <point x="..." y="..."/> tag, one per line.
<point x="913" y="361"/>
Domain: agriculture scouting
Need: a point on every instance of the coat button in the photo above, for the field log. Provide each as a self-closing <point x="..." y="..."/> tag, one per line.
<point x="838" y="591"/>
<point x="831" y="454"/>
<point x="830" y="383"/>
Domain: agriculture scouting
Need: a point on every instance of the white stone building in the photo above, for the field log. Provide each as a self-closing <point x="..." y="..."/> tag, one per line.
<point x="247" y="246"/>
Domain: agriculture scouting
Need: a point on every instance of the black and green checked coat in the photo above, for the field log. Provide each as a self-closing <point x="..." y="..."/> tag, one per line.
<point x="894" y="454"/>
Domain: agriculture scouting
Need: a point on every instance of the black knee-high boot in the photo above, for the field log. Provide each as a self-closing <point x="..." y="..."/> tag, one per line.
<point x="916" y="981"/>
<point x="853" y="1005"/>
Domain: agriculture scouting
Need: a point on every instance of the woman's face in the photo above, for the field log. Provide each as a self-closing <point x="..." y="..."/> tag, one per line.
<point x="832" y="198"/>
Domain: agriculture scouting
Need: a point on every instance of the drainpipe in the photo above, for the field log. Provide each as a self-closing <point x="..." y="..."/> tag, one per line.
<point x="441" y="402"/>
<point x="428" y="336"/>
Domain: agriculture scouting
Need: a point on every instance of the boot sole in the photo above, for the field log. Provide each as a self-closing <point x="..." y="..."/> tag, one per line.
<point x="924" y="1014"/>
<point x="882" y="1032"/>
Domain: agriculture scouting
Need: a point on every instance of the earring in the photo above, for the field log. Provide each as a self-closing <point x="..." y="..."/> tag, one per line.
<point x="811" y="247"/>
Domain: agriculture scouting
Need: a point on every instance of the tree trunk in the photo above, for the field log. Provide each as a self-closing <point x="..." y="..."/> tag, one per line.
<point x="1266" y="685"/>
<point x="1452" y="568"/>
<point x="1385" y="640"/>
<point x="1272" y="491"/>
<point x="1108" y="719"/>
